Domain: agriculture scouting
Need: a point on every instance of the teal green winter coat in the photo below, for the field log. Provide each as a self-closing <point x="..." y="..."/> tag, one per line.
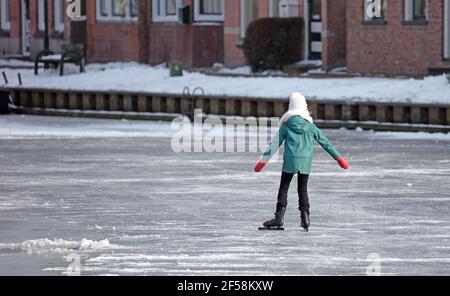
<point x="298" y="135"/>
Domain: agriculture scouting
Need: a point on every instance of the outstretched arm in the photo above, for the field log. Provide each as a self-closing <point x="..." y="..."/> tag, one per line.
<point x="328" y="147"/>
<point x="325" y="143"/>
<point x="273" y="147"/>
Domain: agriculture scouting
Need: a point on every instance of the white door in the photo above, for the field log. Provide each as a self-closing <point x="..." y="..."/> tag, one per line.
<point x="313" y="29"/>
<point x="447" y="29"/>
<point x="26" y="27"/>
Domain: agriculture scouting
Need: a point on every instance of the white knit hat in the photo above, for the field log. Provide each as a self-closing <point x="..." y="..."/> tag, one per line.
<point x="297" y="106"/>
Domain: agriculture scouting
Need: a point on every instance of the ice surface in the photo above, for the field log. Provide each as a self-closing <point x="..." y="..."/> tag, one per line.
<point x="131" y="206"/>
<point x="142" y="78"/>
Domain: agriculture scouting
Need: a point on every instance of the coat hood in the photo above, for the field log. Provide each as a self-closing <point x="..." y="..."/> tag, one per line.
<point x="298" y="124"/>
<point x="297" y="106"/>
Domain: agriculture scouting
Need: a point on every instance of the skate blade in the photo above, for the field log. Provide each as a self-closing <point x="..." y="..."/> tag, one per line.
<point x="271" y="228"/>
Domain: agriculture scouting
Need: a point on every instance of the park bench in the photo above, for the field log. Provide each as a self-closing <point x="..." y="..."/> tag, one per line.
<point x="69" y="55"/>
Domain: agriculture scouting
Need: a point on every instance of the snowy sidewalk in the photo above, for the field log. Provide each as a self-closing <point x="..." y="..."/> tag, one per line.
<point x="132" y="77"/>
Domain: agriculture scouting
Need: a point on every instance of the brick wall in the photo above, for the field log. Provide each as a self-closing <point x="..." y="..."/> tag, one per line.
<point x="111" y="41"/>
<point x="394" y="48"/>
<point x="333" y="33"/>
<point x="233" y="55"/>
<point x="170" y="42"/>
<point x="10" y="42"/>
<point x="192" y="44"/>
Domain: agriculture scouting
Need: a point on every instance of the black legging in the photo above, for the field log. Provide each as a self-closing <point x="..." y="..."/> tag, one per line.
<point x="302" y="189"/>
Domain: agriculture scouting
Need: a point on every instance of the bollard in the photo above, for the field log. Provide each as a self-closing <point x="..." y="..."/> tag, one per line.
<point x="4" y="102"/>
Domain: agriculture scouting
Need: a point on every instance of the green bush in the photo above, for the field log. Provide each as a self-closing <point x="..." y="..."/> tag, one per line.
<point x="271" y="43"/>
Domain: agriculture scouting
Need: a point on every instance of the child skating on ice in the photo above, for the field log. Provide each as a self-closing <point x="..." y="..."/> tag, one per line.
<point x="298" y="133"/>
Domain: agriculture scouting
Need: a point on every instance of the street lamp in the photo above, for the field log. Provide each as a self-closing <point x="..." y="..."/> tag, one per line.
<point x="46" y="36"/>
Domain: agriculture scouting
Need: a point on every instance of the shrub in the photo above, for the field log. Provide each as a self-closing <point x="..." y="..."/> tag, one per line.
<point x="271" y="43"/>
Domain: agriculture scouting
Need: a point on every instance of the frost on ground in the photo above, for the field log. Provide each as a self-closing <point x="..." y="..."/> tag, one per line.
<point x="131" y="206"/>
<point x="142" y="78"/>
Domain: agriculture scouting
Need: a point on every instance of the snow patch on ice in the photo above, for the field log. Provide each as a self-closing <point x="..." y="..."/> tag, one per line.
<point x="412" y="136"/>
<point x="39" y="246"/>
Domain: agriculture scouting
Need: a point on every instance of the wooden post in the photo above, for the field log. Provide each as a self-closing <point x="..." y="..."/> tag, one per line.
<point x="47" y="100"/>
<point x="415" y="115"/>
<point x="73" y="101"/>
<point x="170" y="104"/>
<point x="346" y="112"/>
<point x="363" y="113"/>
<point x="128" y="103"/>
<point x="35" y="100"/>
<point x="86" y="102"/>
<point x="156" y="104"/>
<point x="214" y="108"/>
<point x="330" y="112"/>
<point x="261" y="110"/>
<point x="398" y="114"/>
<point x="381" y="113"/>
<point x="60" y="98"/>
<point x="230" y="107"/>
<point x="245" y="108"/>
<point x="448" y="116"/>
<point x="142" y="104"/>
<point x="433" y="116"/>
<point x="278" y="109"/>
<point x="114" y="102"/>
<point x="100" y="102"/>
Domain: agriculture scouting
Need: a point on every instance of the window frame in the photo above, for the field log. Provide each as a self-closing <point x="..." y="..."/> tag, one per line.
<point x="242" y="18"/>
<point x="5" y="15"/>
<point x="271" y="8"/>
<point x="58" y="7"/>
<point x="156" y="18"/>
<point x="199" y="17"/>
<point x="110" y="17"/>
<point x="409" y="13"/>
<point x="40" y="16"/>
<point x="382" y="20"/>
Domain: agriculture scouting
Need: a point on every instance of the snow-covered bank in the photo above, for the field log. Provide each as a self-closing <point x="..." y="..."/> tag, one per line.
<point x="142" y="78"/>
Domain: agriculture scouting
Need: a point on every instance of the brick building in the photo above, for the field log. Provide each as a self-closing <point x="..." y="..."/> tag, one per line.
<point x="396" y="37"/>
<point x="408" y="37"/>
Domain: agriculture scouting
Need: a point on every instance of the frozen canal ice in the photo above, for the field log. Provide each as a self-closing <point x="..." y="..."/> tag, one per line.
<point x="114" y="193"/>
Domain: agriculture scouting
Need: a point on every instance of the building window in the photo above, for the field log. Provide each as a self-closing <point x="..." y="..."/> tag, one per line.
<point x="249" y="12"/>
<point x="41" y="17"/>
<point x="209" y="10"/>
<point x="166" y="10"/>
<point x="415" y="10"/>
<point x="5" y="17"/>
<point x="117" y="10"/>
<point x="59" y="15"/>
<point x="274" y="8"/>
<point x="375" y="11"/>
<point x="284" y="8"/>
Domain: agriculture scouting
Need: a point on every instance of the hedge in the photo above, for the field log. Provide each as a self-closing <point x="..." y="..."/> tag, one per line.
<point x="271" y="43"/>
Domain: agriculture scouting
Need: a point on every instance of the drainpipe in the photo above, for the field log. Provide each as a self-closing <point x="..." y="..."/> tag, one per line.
<point x="46" y="37"/>
<point x="143" y="31"/>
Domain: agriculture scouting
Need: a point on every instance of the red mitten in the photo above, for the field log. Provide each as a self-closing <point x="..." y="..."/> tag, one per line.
<point x="343" y="163"/>
<point x="260" y="166"/>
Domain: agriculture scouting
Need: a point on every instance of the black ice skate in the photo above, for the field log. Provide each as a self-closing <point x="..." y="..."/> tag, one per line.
<point x="276" y="223"/>
<point x="304" y="216"/>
